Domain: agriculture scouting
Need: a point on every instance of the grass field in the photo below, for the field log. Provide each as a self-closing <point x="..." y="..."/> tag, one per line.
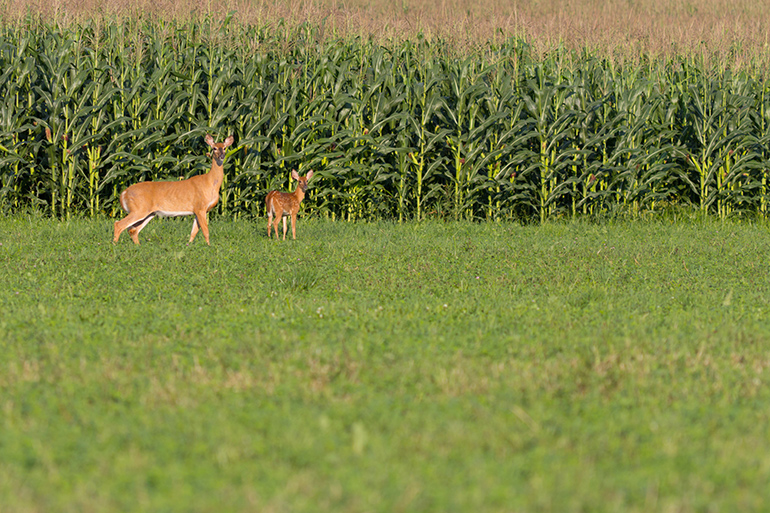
<point x="589" y="366"/>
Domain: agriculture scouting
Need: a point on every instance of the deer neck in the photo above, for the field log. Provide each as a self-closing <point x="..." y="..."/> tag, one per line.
<point x="216" y="173"/>
<point x="299" y="194"/>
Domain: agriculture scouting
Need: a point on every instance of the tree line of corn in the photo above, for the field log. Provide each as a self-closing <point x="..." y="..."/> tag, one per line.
<point x="410" y="130"/>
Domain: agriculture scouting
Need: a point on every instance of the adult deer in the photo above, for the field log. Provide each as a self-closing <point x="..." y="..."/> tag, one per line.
<point x="194" y="196"/>
<point x="283" y="204"/>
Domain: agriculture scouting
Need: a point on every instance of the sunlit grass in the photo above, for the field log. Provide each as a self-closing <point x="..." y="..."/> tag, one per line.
<point x="377" y="366"/>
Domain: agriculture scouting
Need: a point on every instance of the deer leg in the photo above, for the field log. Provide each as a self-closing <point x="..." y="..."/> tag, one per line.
<point x="205" y="227"/>
<point x="118" y="230"/>
<point x="194" y="230"/>
<point x="276" y="222"/>
<point x="122" y="224"/>
<point x="137" y="227"/>
<point x="200" y="221"/>
<point x="284" y="227"/>
<point x="269" y="224"/>
<point x="293" y="226"/>
<point x="130" y="221"/>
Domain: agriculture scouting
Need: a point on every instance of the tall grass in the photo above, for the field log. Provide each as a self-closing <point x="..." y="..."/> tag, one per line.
<point x="404" y="129"/>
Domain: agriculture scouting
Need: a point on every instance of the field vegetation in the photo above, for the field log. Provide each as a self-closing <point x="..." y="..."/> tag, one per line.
<point x="402" y="113"/>
<point x="601" y="344"/>
<point x="436" y="366"/>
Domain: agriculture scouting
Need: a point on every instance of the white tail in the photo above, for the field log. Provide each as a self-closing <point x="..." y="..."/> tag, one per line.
<point x="283" y="204"/>
<point x="194" y="196"/>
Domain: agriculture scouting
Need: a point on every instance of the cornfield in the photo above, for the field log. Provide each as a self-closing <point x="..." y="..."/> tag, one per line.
<point x="409" y="130"/>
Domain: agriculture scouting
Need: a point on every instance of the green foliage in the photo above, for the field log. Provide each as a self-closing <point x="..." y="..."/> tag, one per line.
<point x="382" y="367"/>
<point x="406" y="131"/>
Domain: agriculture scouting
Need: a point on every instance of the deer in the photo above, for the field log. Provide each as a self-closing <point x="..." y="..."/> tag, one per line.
<point x="283" y="204"/>
<point x="194" y="196"/>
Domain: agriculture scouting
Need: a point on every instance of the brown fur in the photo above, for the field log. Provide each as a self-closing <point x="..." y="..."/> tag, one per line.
<point x="194" y="196"/>
<point x="283" y="204"/>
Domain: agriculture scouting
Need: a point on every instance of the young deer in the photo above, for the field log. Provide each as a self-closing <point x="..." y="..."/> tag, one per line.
<point x="194" y="196"/>
<point x="282" y="204"/>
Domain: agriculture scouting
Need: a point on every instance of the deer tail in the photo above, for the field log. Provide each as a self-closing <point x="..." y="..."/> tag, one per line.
<point x="123" y="201"/>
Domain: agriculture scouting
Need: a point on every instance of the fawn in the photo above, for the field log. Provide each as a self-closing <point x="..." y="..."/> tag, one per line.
<point x="194" y="196"/>
<point x="283" y="204"/>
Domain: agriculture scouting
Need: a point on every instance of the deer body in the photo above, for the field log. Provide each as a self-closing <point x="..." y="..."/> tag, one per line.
<point x="194" y="196"/>
<point x="284" y="204"/>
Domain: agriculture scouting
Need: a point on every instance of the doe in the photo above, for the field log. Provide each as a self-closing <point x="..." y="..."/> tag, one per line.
<point x="194" y="196"/>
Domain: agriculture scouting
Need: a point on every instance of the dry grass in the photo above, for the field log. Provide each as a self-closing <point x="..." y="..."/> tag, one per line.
<point x="737" y="30"/>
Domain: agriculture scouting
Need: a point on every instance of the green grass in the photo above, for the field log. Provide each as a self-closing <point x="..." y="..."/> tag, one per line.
<point x="618" y="366"/>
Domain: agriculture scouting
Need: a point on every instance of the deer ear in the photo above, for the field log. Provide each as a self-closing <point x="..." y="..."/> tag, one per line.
<point x="310" y="174"/>
<point x="229" y="141"/>
<point x="294" y="174"/>
<point x="209" y="140"/>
